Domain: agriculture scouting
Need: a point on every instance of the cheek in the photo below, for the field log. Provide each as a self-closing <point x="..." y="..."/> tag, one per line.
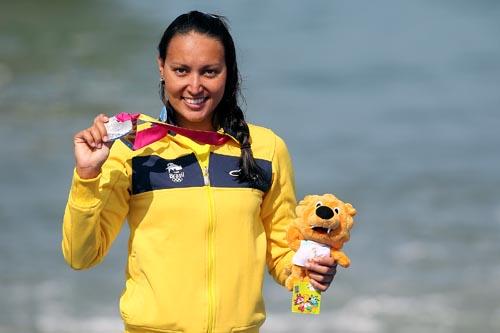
<point x="173" y="88"/>
<point x="219" y="86"/>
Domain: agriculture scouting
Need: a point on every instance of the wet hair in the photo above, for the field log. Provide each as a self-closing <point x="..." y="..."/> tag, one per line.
<point x="227" y="114"/>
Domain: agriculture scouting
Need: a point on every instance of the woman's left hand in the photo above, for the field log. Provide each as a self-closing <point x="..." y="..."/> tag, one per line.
<point x="321" y="272"/>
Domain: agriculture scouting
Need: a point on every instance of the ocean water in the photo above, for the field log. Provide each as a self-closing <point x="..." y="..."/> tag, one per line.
<point x="392" y="105"/>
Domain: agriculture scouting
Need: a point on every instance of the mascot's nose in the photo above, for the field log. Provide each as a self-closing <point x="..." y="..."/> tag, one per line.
<point x="324" y="212"/>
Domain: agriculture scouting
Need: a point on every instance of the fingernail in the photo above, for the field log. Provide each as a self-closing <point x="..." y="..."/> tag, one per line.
<point x="105" y="138"/>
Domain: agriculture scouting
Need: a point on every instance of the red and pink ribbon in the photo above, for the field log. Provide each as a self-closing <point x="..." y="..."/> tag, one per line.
<point x="159" y="130"/>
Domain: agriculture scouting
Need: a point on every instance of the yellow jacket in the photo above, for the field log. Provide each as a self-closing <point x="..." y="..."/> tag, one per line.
<point x="199" y="240"/>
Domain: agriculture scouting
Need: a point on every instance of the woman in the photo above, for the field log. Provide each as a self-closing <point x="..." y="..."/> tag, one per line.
<point x="205" y="219"/>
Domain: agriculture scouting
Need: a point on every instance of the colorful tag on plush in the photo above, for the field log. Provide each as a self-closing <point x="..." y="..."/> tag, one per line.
<point x="305" y="299"/>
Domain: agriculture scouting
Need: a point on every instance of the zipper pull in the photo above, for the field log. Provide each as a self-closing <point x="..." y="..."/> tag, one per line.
<point x="206" y="178"/>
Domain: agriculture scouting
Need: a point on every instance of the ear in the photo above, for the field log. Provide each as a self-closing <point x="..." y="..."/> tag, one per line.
<point x="161" y="65"/>
<point x="329" y="196"/>
<point x="299" y="210"/>
<point x="350" y="209"/>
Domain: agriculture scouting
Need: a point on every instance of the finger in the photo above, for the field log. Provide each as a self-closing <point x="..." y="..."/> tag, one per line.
<point x="321" y="278"/>
<point x="319" y="286"/>
<point x="94" y="131"/>
<point x="321" y="269"/>
<point x="87" y="137"/>
<point x="78" y="137"/>
<point x="103" y="118"/>
<point x="325" y="261"/>
<point x="99" y="122"/>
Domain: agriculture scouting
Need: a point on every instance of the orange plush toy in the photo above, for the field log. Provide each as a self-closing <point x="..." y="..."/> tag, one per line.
<point x="321" y="228"/>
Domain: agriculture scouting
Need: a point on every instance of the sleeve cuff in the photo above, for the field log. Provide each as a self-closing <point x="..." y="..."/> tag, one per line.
<point x="283" y="268"/>
<point x="84" y="192"/>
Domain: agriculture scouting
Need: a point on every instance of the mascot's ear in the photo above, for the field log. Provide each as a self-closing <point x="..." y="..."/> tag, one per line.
<point x="301" y="207"/>
<point x="329" y="196"/>
<point x="307" y="198"/>
<point x="299" y="210"/>
<point x="350" y="209"/>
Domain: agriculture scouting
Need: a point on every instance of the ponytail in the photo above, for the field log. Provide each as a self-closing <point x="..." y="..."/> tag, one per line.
<point x="235" y="125"/>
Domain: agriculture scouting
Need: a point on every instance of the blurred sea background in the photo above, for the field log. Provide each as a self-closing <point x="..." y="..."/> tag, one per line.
<point x="392" y="105"/>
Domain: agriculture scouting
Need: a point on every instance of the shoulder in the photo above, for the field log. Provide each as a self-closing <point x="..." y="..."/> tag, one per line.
<point x="266" y="141"/>
<point x="260" y="132"/>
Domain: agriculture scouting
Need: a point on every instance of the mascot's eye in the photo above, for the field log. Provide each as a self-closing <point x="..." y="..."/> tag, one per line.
<point x="318" y="204"/>
<point x="336" y="210"/>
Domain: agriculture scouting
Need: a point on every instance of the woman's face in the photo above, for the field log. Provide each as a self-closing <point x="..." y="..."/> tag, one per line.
<point x="195" y="76"/>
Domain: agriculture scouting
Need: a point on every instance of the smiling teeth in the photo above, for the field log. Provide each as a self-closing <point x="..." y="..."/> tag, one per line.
<point x="195" y="100"/>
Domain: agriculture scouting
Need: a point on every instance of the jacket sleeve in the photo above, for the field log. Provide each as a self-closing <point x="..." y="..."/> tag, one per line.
<point x="278" y="211"/>
<point x="94" y="214"/>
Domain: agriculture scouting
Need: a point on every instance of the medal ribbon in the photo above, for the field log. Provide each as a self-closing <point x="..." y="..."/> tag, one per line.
<point x="159" y="130"/>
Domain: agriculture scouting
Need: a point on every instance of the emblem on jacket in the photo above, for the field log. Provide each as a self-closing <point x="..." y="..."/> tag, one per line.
<point x="175" y="172"/>
<point x="235" y="173"/>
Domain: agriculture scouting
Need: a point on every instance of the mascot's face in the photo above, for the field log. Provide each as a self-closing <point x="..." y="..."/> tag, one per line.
<point x="325" y="219"/>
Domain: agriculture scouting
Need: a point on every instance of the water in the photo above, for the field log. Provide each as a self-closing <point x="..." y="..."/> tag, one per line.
<point x="392" y="105"/>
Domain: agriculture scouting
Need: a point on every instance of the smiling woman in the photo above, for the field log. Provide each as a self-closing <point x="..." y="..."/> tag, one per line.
<point x="200" y="81"/>
<point x="207" y="217"/>
<point x="195" y="74"/>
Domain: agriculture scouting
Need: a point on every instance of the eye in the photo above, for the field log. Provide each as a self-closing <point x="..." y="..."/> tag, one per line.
<point x="336" y="210"/>
<point x="180" y="71"/>
<point x="318" y="204"/>
<point x="210" y="73"/>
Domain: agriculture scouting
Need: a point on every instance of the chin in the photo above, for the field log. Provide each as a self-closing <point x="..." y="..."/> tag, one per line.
<point x="196" y="116"/>
<point x="197" y="120"/>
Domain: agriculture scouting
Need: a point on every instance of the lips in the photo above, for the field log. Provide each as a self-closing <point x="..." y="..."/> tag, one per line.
<point x="195" y="103"/>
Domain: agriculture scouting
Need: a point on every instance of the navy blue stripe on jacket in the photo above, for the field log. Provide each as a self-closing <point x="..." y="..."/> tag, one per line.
<point x="152" y="172"/>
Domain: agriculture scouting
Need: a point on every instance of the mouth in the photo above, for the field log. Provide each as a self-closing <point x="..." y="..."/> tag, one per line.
<point x="195" y="103"/>
<point x="324" y="230"/>
<point x="321" y="230"/>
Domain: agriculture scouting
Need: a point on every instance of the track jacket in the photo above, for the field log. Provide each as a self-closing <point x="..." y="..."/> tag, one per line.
<point x="199" y="239"/>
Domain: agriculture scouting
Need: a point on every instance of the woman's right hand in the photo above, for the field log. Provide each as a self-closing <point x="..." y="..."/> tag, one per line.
<point x="91" y="148"/>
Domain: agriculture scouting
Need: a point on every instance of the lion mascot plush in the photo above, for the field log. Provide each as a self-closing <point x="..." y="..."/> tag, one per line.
<point x="321" y="228"/>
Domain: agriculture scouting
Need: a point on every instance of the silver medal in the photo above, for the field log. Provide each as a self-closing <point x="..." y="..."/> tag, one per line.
<point x="116" y="129"/>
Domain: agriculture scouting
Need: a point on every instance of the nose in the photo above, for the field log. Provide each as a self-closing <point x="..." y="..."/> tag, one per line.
<point x="324" y="212"/>
<point x="194" y="86"/>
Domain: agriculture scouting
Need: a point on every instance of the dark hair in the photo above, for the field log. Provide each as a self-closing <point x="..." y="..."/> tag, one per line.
<point x="227" y="115"/>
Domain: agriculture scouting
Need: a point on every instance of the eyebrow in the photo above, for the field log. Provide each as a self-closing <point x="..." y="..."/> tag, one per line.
<point x="174" y="64"/>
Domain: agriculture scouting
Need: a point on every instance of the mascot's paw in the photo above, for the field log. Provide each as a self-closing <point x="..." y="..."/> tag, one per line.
<point x="293" y="279"/>
<point x="341" y="259"/>
<point x="290" y="282"/>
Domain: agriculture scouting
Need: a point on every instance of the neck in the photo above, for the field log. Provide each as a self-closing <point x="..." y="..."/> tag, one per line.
<point x="174" y="119"/>
<point x="196" y="126"/>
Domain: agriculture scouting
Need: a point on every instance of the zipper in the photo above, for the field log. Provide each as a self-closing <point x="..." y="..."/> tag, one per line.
<point x="203" y="161"/>
<point x="206" y="178"/>
<point x="211" y="262"/>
